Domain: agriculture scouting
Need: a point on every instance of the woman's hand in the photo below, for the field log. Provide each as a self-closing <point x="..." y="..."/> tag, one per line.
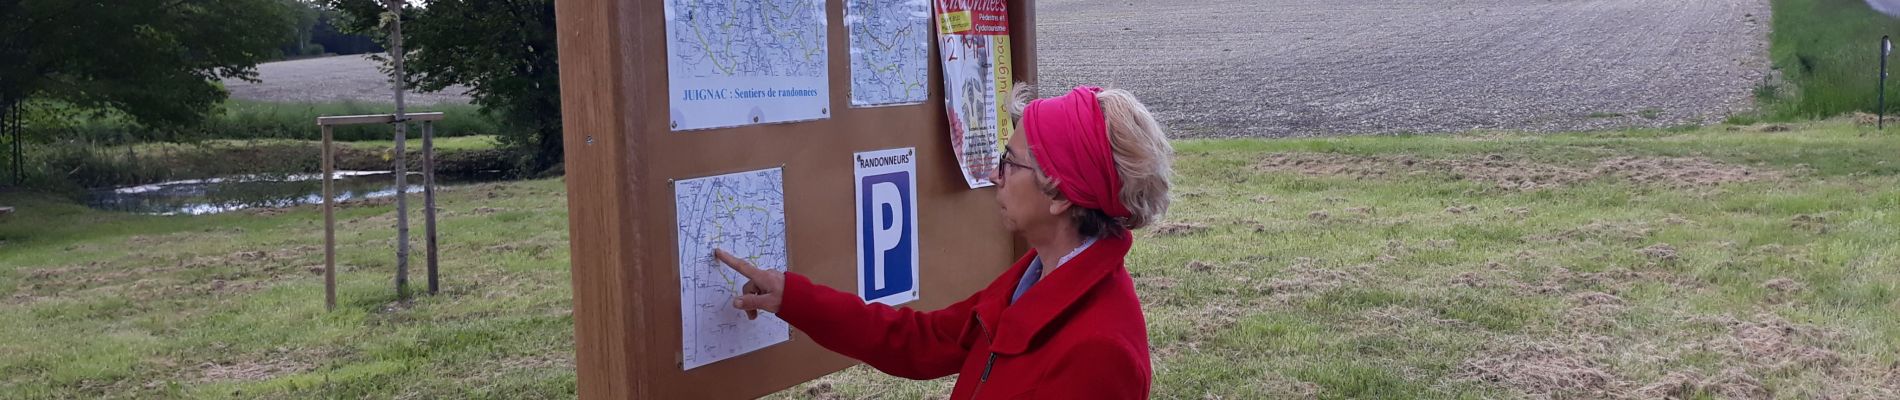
<point x="764" y="290"/>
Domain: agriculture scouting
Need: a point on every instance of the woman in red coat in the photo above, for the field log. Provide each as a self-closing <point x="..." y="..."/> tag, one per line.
<point x="1064" y="321"/>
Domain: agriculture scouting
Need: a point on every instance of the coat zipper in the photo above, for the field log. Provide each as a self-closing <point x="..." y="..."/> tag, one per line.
<point x="985" y="377"/>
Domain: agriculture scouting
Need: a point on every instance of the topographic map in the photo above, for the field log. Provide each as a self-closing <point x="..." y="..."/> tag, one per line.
<point x="890" y="51"/>
<point x="742" y="62"/>
<point x="744" y="214"/>
<point x="748" y="38"/>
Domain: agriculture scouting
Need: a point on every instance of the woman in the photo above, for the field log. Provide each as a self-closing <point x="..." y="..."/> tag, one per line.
<point x="1064" y="321"/>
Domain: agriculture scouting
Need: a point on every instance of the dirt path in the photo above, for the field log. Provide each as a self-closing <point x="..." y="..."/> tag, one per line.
<point x="340" y="78"/>
<point x="1315" y="67"/>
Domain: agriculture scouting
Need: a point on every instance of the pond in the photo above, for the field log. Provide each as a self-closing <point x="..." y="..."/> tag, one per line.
<point x="217" y="195"/>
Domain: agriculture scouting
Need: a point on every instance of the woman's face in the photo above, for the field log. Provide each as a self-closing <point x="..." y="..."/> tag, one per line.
<point x="1025" y="205"/>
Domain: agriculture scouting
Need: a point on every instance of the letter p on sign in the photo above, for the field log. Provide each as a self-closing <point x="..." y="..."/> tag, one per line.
<point x="887" y="225"/>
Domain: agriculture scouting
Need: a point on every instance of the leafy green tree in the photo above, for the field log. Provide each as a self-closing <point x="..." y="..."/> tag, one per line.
<point x="503" y="50"/>
<point x="156" y="61"/>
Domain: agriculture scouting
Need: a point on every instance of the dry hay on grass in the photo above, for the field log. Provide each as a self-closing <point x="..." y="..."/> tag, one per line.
<point x="1661" y="252"/>
<point x="1563" y="280"/>
<point x="1592" y="310"/>
<point x="1783" y="285"/>
<point x="1679" y="171"/>
<point x="1541" y="369"/>
<point x="1862" y="118"/>
<point x="251" y="370"/>
<point x="156" y="275"/>
<point x="1600" y="231"/>
<point x="1809" y="223"/>
<point x="1776" y="344"/>
<point x="1732" y="383"/>
<point x="1519" y="174"/>
<point x="1307" y="277"/>
<point x="1177" y="229"/>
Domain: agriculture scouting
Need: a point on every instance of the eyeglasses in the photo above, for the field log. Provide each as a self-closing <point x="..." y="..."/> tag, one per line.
<point x="1007" y="162"/>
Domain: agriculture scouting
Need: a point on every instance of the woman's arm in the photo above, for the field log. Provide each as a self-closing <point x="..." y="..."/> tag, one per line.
<point x="901" y="342"/>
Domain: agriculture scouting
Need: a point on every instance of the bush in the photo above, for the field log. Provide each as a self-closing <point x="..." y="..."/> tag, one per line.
<point x="249" y="120"/>
<point x="258" y="120"/>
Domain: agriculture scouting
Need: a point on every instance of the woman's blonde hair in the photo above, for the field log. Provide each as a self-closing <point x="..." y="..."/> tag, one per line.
<point x="1143" y="159"/>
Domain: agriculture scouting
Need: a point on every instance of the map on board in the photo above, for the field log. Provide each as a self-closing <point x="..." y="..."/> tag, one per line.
<point x="890" y="51"/>
<point x="743" y="214"/>
<point x="743" y="62"/>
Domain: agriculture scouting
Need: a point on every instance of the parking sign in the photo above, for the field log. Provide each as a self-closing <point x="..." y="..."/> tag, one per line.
<point x="887" y="225"/>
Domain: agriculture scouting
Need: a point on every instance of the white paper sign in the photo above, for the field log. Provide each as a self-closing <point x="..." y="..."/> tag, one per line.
<point x="743" y="214"/>
<point x="744" y="62"/>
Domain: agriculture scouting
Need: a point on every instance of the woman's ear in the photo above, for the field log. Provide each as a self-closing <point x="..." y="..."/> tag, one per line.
<point x="1060" y="206"/>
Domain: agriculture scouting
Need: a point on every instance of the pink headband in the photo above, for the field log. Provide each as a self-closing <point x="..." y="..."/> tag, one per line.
<point x="1068" y="136"/>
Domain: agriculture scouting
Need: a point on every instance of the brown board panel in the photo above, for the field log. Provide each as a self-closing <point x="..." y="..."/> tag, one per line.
<point x="621" y="155"/>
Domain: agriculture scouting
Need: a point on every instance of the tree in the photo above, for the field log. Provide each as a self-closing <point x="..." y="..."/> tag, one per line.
<point x="503" y="50"/>
<point x="306" y="16"/>
<point x="157" y="61"/>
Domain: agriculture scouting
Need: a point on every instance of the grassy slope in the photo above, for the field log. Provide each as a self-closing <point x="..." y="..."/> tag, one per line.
<point x="1828" y="49"/>
<point x="1306" y="284"/>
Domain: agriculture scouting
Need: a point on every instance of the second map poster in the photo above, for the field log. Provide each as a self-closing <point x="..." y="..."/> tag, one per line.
<point x="743" y="62"/>
<point x="890" y="51"/>
<point x="973" y="39"/>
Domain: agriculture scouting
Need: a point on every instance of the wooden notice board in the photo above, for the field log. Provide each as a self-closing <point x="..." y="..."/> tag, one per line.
<point x="621" y="153"/>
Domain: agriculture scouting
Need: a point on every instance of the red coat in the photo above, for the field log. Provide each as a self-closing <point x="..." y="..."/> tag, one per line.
<point x="1078" y="333"/>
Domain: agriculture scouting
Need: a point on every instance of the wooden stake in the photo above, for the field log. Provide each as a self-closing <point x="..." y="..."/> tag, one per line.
<point x="428" y="198"/>
<point x="329" y="223"/>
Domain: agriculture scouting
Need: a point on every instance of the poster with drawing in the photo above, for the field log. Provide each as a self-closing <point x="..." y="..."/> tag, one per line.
<point x="973" y="41"/>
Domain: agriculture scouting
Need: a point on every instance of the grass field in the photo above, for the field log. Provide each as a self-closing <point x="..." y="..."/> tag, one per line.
<point x="1828" y="50"/>
<point x="1724" y="262"/>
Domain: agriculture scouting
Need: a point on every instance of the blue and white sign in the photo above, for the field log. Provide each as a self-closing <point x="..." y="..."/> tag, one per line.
<point x="887" y="225"/>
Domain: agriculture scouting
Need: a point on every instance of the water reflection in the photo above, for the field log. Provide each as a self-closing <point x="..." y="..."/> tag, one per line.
<point x="217" y="195"/>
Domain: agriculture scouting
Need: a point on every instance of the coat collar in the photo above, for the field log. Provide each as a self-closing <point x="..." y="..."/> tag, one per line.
<point x="1015" y="326"/>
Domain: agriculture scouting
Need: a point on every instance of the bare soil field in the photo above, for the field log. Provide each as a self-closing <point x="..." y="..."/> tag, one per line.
<point x="1274" y="68"/>
<point x="330" y="79"/>
<point x="1278" y="68"/>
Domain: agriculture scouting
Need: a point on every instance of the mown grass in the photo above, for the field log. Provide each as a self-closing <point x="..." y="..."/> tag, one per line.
<point x="1828" y="51"/>
<point x="1274" y="283"/>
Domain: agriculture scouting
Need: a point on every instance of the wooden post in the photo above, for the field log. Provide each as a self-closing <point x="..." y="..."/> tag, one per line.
<point x="402" y="162"/>
<point x="1880" y="108"/>
<point x="329" y="174"/>
<point x="18" y="127"/>
<point x="428" y="198"/>
<point x="329" y="223"/>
